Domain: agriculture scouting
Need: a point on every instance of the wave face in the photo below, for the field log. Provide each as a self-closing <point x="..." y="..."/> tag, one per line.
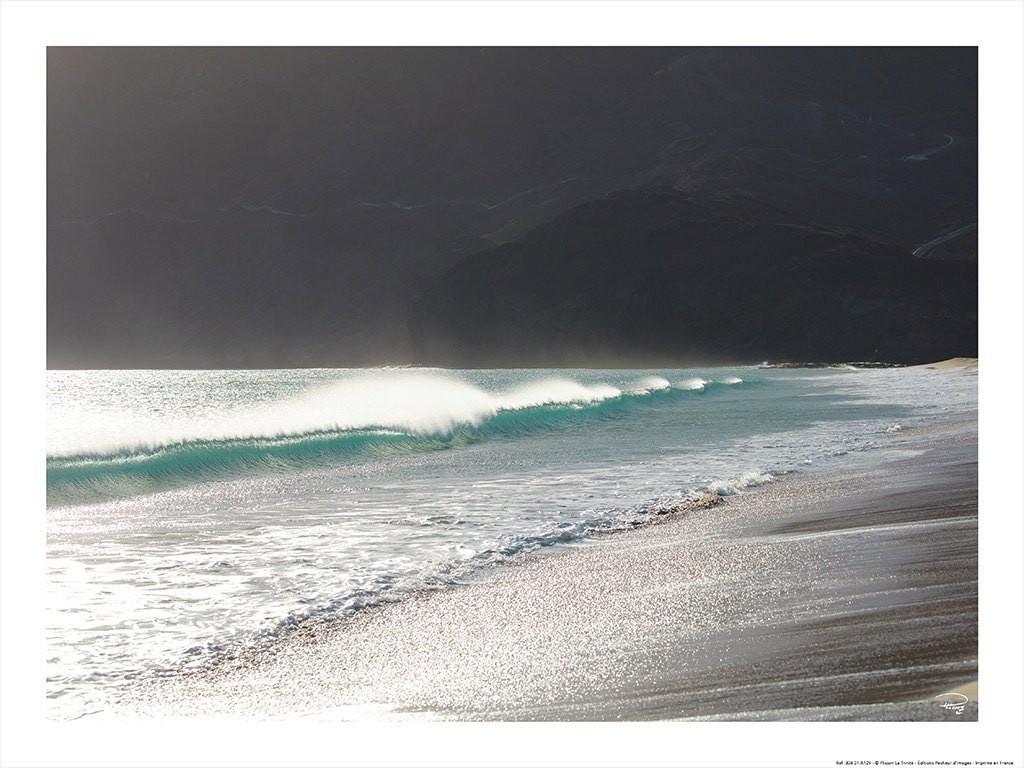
<point x="372" y="417"/>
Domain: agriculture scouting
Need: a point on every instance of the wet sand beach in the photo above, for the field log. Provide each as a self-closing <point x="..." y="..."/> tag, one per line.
<point x="835" y="594"/>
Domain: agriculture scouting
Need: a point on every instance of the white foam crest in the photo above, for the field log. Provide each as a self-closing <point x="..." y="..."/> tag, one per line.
<point x="731" y="380"/>
<point x="555" y="391"/>
<point x="692" y="384"/>
<point x="649" y="384"/>
<point x="411" y="402"/>
<point x="415" y="403"/>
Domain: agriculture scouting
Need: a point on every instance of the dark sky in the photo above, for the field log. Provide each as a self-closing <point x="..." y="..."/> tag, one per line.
<point x="248" y="207"/>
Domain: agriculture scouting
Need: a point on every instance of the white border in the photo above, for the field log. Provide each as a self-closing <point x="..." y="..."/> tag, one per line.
<point x="27" y="27"/>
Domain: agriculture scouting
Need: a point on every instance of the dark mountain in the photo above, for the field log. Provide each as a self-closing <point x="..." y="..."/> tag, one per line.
<point x="288" y="207"/>
<point x="643" y="277"/>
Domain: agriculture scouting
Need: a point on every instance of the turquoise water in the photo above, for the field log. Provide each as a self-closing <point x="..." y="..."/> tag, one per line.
<point x="194" y="513"/>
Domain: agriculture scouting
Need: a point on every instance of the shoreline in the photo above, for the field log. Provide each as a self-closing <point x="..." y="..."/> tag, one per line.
<point x="970" y="363"/>
<point x="819" y="596"/>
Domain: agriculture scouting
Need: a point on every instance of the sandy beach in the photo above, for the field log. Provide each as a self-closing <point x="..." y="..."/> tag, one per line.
<point x="967" y="363"/>
<point x="835" y="594"/>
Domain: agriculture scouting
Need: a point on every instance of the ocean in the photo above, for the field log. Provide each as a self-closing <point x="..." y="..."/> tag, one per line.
<point x="196" y="515"/>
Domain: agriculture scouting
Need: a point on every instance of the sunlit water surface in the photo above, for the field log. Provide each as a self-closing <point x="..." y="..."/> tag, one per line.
<point x="194" y="513"/>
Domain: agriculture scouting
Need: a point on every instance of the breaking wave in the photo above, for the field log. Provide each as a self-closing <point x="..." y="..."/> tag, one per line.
<point x="376" y="417"/>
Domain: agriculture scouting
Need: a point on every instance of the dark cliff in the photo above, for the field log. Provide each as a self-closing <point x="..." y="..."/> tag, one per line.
<point x="646" y="277"/>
